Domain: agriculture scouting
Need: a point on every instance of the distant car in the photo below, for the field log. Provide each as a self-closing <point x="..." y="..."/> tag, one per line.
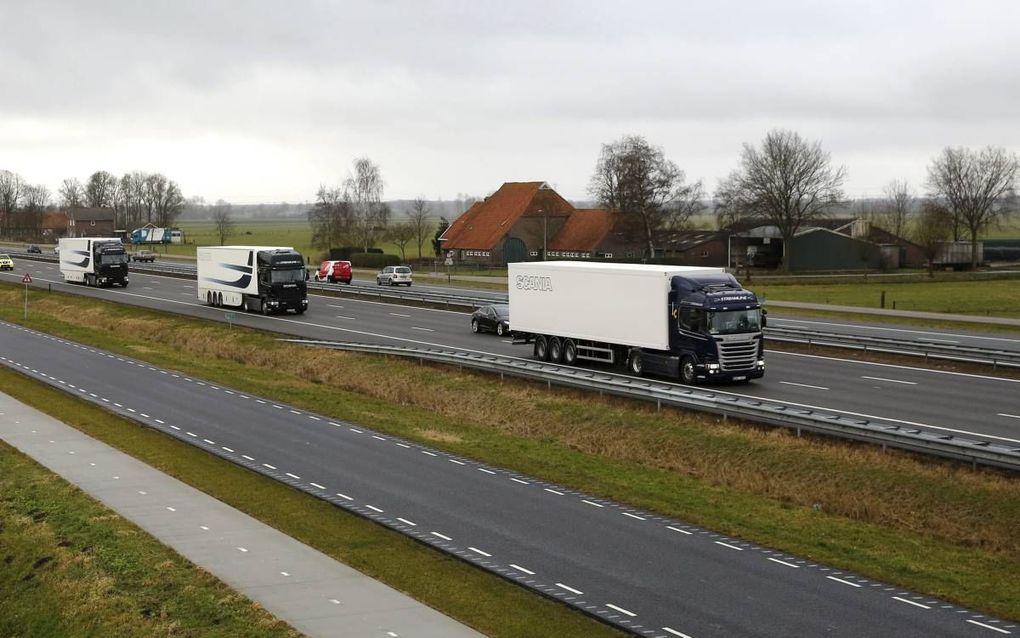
<point x="6" y="263"/>
<point x="334" y="271"/>
<point x="394" y="276"/>
<point x="33" y="249"/>
<point x="494" y="318"/>
<point x="144" y="255"/>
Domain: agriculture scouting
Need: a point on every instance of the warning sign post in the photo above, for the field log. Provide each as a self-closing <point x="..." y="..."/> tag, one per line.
<point x="27" y="279"/>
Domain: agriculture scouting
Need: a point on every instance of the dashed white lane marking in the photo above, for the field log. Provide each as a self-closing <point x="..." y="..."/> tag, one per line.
<point x="203" y="528"/>
<point x="675" y="632"/>
<point x="355" y="430"/>
<point x="910" y="602"/>
<point x="272" y="467"/>
<point x="429" y="453"/>
<point x="478" y="551"/>
<point x="552" y="491"/>
<point x="591" y="503"/>
<point x="245" y="456"/>
<point x="397" y="314"/>
<point x="346" y="317"/>
<point x="739" y="549"/>
<point x="889" y="380"/>
<point x="570" y="589"/>
<point x="845" y="582"/>
<point x="284" y="574"/>
<point x="227" y="449"/>
<point x="517" y="480"/>
<point x="442" y="536"/>
<point x="1009" y="416"/>
<point x="981" y="624"/>
<point x="456" y="461"/>
<point x="677" y="529"/>
<point x="344" y="496"/>
<point x="293" y="476"/>
<point x="422" y="329"/>
<point x="804" y="385"/>
<point x="621" y="610"/>
<point x="321" y="487"/>
<point x="376" y="436"/>
<point x="482" y="469"/>
<point x="242" y="550"/>
<point x="374" y="508"/>
<point x="640" y="518"/>
<point x="783" y="562"/>
<point x="407" y="522"/>
<point x="521" y="569"/>
<point x="170" y="509"/>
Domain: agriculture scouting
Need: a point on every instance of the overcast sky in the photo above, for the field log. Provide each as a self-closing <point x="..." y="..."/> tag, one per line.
<point x="263" y="101"/>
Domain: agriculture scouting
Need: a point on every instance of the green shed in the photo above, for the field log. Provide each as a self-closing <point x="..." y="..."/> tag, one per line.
<point x="816" y="249"/>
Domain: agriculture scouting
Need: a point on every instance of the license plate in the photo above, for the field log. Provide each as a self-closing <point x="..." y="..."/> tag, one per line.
<point x="740" y="378"/>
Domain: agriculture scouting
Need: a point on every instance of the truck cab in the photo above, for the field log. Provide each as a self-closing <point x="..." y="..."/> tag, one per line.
<point x="282" y="280"/>
<point x="716" y="329"/>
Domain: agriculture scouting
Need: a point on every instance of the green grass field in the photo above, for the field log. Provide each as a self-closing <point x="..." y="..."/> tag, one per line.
<point x="938" y="528"/>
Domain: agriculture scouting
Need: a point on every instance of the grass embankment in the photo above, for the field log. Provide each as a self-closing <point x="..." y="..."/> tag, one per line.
<point x="938" y="528"/>
<point x="71" y="567"/>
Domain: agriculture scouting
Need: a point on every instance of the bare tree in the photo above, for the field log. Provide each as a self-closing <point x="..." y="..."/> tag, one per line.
<point x="976" y="187"/>
<point x="223" y="221"/>
<point x="72" y="193"/>
<point x="934" y="227"/>
<point x="162" y="199"/>
<point x="636" y="178"/>
<point x="100" y="189"/>
<point x="788" y="182"/>
<point x="364" y="189"/>
<point x="331" y="218"/>
<point x="131" y="199"/>
<point x="899" y="200"/>
<point x="419" y="220"/>
<point x="34" y="201"/>
<point x="11" y="186"/>
<point x="401" y="235"/>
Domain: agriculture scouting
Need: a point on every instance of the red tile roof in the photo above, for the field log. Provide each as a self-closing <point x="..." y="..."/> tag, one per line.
<point x="584" y="229"/>
<point x="484" y="224"/>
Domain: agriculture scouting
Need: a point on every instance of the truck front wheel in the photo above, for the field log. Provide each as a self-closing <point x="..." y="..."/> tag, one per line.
<point x="541" y="348"/>
<point x="687" y="374"/>
<point x="634" y="363"/>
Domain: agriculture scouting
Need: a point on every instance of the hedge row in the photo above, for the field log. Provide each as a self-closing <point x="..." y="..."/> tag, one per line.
<point x="374" y="260"/>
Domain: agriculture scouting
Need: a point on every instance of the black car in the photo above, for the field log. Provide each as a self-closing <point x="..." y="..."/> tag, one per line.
<point x="33" y="249"/>
<point x="495" y="318"/>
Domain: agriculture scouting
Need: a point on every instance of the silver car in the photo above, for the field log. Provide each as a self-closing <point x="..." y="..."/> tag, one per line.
<point x="394" y="276"/>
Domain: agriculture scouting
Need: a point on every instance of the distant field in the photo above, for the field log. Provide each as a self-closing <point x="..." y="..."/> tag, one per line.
<point x="296" y="233"/>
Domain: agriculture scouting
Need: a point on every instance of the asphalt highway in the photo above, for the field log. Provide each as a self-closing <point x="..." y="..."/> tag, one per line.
<point x="646" y="574"/>
<point x="982" y="407"/>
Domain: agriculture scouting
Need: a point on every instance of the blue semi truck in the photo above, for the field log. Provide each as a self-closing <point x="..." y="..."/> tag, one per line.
<point x="688" y="323"/>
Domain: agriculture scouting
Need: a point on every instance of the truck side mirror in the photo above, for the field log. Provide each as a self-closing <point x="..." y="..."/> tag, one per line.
<point x="306" y="274"/>
<point x="764" y="317"/>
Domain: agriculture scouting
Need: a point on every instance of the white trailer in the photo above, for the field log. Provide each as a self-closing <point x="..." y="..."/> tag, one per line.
<point x="695" y="322"/>
<point x="266" y="278"/>
<point x="94" y="261"/>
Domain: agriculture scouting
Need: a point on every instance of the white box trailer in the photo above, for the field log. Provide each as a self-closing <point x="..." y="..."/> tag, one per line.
<point x="269" y="279"/>
<point x="94" y="261"/>
<point x="695" y="322"/>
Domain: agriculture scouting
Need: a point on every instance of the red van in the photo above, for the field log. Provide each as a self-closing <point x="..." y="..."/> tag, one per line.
<point x="334" y="271"/>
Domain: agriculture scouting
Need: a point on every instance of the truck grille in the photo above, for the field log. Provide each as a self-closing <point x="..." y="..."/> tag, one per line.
<point x="738" y="355"/>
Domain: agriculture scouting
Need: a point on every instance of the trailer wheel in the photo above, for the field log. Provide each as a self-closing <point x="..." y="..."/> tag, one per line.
<point x="208" y="297"/>
<point x="244" y="304"/>
<point x="541" y="348"/>
<point x="634" y="363"/>
<point x="569" y="352"/>
<point x="555" y="350"/>
<point x="687" y="375"/>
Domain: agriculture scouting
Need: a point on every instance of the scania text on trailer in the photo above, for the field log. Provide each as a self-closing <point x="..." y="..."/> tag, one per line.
<point x="94" y="261"/>
<point x="683" y="322"/>
<point x="259" y="278"/>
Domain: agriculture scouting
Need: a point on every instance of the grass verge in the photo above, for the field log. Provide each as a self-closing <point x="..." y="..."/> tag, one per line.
<point x="934" y="527"/>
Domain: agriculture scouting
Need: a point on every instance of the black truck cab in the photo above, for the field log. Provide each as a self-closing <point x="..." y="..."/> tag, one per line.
<point x="282" y="280"/>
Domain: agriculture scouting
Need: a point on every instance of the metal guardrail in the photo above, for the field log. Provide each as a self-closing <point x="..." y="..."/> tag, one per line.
<point x="928" y="350"/>
<point x="970" y="354"/>
<point x="817" y="421"/>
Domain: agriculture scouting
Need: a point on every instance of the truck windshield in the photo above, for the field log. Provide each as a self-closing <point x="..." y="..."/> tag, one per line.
<point x="723" y="322"/>
<point x="115" y="258"/>
<point x="287" y="276"/>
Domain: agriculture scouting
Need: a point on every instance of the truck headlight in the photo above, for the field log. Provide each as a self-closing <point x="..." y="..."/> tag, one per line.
<point x="712" y="367"/>
<point x="761" y="363"/>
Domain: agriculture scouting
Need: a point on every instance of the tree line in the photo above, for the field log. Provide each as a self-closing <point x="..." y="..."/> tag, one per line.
<point x="136" y="198"/>
<point x="789" y="182"/>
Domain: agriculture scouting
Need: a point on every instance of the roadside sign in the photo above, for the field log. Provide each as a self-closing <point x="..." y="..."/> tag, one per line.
<point x="27" y="279"/>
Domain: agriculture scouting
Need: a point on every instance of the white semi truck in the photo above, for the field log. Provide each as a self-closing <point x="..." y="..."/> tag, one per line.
<point x="93" y="261"/>
<point x="683" y="322"/>
<point x="267" y="279"/>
